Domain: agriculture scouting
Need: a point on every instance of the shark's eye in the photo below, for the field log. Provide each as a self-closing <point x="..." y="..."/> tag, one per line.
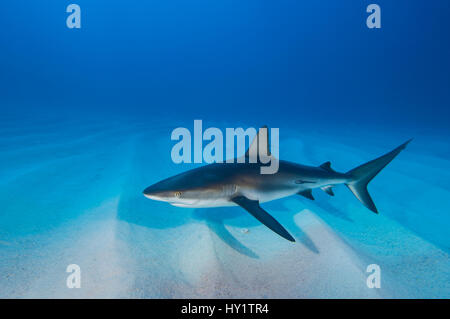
<point x="177" y="194"/>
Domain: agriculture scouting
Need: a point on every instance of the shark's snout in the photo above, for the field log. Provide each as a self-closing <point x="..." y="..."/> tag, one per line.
<point x="150" y="196"/>
<point x="158" y="191"/>
<point x="151" y="192"/>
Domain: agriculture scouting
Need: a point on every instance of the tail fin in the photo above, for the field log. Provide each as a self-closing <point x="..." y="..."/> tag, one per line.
<point x="362" y="175"/>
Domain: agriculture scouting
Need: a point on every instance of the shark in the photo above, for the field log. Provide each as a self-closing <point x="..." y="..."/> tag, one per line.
<point x="242" y="184"/>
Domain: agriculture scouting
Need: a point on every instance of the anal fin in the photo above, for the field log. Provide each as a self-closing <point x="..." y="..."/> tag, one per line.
<point x="307" y="193"/>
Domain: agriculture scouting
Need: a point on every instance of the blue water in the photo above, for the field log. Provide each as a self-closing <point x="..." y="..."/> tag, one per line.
<point x="86" y="118"/>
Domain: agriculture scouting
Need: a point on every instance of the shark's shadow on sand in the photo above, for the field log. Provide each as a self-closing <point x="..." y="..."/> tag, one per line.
<point x="215" y="219"/>
<point x="158" y="215"/>
<point x="303" y="238"/>
<point x="137" y="210"/>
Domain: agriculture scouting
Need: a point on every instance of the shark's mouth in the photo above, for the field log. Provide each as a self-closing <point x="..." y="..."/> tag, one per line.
<point x="185" y="203"/>
<point x="152" y="197"/>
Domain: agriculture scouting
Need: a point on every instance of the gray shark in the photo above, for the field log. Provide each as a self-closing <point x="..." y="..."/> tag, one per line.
<point x="242" y="184"/>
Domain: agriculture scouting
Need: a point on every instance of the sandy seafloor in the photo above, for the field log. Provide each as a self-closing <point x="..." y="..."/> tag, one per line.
<point x="71" y="193"/>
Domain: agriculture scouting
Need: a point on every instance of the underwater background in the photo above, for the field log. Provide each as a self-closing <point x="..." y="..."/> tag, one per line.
<point x="86" y="117"/>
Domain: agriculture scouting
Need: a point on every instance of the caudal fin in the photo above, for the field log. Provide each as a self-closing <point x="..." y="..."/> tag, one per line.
<point x="362" y="175"/>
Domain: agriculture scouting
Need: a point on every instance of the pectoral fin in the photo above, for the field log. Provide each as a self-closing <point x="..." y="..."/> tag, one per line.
<point x="252" y="206"/>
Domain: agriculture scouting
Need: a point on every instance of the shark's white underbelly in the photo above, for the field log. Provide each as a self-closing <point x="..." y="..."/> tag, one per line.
<point x="263" y="197"/>
<point x="224" y="201"/>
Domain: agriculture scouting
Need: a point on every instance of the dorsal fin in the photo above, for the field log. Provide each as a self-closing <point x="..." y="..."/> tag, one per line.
<point x="327" y="166"/>
<point x="261" y="140"/>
